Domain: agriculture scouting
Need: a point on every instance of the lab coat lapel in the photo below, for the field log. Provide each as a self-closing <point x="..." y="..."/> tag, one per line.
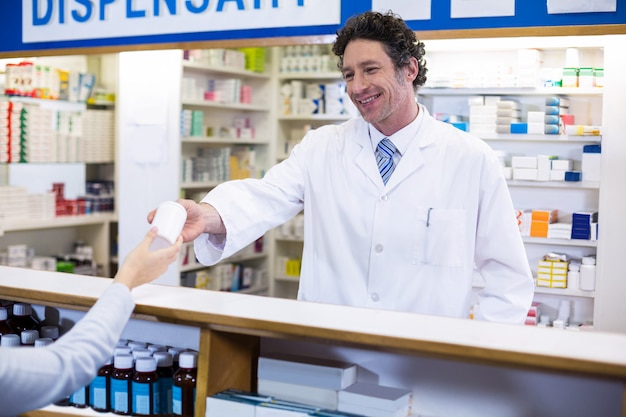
<point x="413" y="159"/>
<point x="361" y="153"/>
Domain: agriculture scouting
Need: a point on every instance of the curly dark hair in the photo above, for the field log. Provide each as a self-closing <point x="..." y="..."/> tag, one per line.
<point x="388" y="28"/>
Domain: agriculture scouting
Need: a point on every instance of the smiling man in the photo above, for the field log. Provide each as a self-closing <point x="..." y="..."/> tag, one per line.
<point x="401" y="211"/>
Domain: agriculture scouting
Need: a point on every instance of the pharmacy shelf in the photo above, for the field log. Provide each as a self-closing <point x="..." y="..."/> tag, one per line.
<point x="561" y="242"/>
<point x="213" y="69"/>
<point x="61" y="105"/>
<point x="560" y="139"/>
<point x="18" y="225"/>
<point x="315" y="117"/>
<point x="199" y="185"/>
<point x="330" y="75"/>
<point x="510" y="91"/>
<point x="220" y="105"/>
<point x="550" y="291"/>
<point x="592" y="185"/>
<point x="287" y="278"/>
<point x="211" y="140"/>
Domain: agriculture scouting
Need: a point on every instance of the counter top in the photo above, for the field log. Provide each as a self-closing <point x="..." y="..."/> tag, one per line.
<point x="583" y="352"/>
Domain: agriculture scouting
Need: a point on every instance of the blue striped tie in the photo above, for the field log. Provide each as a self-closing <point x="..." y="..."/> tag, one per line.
<point x="384" y="158"/>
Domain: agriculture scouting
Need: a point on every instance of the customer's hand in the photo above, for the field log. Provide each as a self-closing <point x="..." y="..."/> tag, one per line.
<point x="142" y="265"/>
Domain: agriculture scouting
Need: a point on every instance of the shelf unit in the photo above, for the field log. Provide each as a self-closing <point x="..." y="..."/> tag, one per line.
<point x="437" y="358"/>
<point x="567" y="197"/>
<point x="57" y="235"/>
<point x="218" y="138"/>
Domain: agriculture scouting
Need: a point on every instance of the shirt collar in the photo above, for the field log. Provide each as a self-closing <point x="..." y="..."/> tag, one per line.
<point x="403" y="137"/>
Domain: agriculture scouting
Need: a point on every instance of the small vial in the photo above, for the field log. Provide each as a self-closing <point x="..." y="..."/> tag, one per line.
<point x="10" y="340"/>
<point x="28" y="337"/>
<point x="100" y="388"/>
<point x="145" y="391"/>
<point x="184" y="387"/>
<point x="22" y="318"/>
<point x="157" y="348"/>
<point x="165" y="371"/>
<point x="121" y="380"/>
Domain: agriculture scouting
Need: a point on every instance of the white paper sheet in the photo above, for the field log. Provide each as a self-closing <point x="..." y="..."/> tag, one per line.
<point x="581" y="6"/>
<point x="481" y="8"/>
<point x="407" y="9"/>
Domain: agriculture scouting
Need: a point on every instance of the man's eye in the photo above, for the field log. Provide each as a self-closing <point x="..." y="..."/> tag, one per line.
<point x="370" y="70"/>
<point x="348" y="75"/>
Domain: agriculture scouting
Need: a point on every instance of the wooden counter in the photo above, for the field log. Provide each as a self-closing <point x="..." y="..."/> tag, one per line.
<point x="232" y="326"/>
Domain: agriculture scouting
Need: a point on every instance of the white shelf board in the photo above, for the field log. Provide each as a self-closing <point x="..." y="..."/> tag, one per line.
<point x="555" y="184"/>
<point x="206" y="140"/>
<point x="510" y="91"/>
<point x="55" y="222"/>
<point x="327" y="75"/>
<point x="226" y="106"/>
<point x="561" y="242"/>
<point x="214" y="69"/>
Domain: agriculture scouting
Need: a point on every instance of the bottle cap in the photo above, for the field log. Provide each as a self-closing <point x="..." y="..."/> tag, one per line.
<point x="123" y="361"/>
<point x="157" y="348"/>
<point x="29" y="336"/>
<point x="141" y="353"/>
<point x="188" y="360"/>
<point x="122" y="350"/>
<point x="50" y="331"/>
<point x="176" y="351"/>
<point x="43" y="341"/>
<point x="163" y="358"/>
<point x="3" y="313"/>
<point x="145" y="364"/>
<point x="22" y="309"/>
<point x="9" y="340"/>
<point x="137" y="345"/>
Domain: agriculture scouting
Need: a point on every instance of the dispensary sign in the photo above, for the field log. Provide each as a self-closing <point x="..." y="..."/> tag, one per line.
<point x="63" y="20"/>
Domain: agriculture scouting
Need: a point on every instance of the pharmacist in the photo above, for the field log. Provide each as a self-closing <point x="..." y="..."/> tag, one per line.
<point x="34" y="378"/>
<point x="414" y="243"/>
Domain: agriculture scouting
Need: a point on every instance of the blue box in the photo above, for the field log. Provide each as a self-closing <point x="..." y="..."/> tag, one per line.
<point x="519" y="127"/>
<point x="572" y="175"/>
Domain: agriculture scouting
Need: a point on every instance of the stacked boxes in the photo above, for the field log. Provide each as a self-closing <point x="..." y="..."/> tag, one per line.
<point x="507" y="112"/>
<point x="483" y="114"/>
<point x="552" y="273"/>
<point x="585" y="225"/>
<point x="591" y="162"/>
<point x="540" y="221"/>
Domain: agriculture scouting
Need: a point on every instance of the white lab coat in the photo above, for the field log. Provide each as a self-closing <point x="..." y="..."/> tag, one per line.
<point x="413" y="245"/>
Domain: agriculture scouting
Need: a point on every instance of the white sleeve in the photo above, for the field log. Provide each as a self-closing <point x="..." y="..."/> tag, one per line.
<point x="32" y="378"/>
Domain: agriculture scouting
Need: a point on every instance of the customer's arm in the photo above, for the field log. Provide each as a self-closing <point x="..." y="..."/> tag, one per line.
<point x="32" y="378"/>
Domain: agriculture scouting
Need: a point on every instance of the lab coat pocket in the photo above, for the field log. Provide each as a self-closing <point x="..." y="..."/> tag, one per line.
<point x="445" y="237"/>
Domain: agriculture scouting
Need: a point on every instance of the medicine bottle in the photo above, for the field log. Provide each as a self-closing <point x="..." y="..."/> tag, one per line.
<point x="4" y="326"/>
<point x="22" y="318"/>
<point x="80" y="397"/>
<point x="100" y="388"/>
<point x="165" y="371"/>
<point x="175" y="352"/>
<point x="121" y="380"/>
<point x="28" y="337"/>
<point x="588" y="274"/>
<point x="144" y="390"/>
<point x="184" y="386"/>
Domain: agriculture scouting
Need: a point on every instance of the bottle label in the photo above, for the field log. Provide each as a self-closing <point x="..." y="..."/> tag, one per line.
<point x="98" y="393"/>
<point x="145" y="396"/>
<point x="165" y="395"/>
<point x="177" y="400"/>
<point x="79" y="397"/>
<point x="119" y="396"/>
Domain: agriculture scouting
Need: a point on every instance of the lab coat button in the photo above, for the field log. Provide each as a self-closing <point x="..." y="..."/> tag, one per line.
<point x="378" y="248"/>
<point x="384" y="197"/>
<point x="374" y="296"/>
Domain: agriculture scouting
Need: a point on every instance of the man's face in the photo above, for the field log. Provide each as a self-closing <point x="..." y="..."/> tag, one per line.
<point x="384" y="97"/>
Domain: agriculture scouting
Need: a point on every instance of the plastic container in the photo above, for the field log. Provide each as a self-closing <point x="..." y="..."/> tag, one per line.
<point x="4" y="326"/>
